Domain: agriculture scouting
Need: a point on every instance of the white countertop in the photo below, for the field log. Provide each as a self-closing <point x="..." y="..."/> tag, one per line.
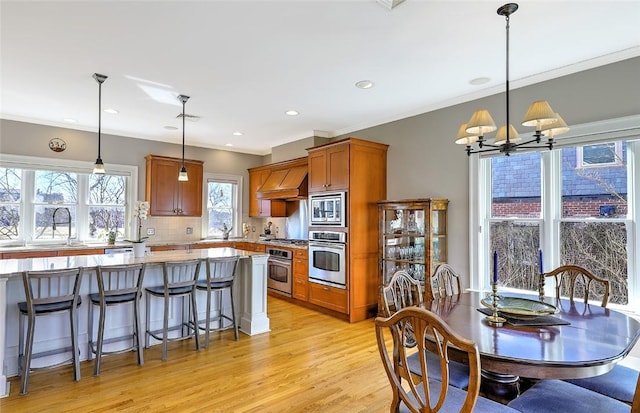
<point x="14" y="267"/>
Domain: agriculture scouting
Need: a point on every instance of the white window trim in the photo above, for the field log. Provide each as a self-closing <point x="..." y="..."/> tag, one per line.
<point x="235" y="179"/>
<point x="81" y="167"/>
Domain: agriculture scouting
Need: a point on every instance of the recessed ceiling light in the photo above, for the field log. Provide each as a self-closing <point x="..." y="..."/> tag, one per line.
<point x="292" y="112"/>
<point x="171" y="128"/>
<point x="479" y="81"/>
<point x="364" y="84"/>
<point x="228" y="144"/>
<point x="111" y="111"/>
<point x="69" y="120"/>
<point x="236" y="133"/>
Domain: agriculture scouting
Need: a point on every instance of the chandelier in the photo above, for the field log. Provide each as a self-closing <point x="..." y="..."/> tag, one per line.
<point x="548" y="124"/>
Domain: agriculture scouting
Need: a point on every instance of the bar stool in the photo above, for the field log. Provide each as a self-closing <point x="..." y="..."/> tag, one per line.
<point x="48" y="292"/>
<point x="179" y="281"/>
<point x="220" y="274"/>
<point x="117" y="285"/>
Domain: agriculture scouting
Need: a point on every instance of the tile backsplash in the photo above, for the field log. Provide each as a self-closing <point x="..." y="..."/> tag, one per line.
<point x="173" y="229"/>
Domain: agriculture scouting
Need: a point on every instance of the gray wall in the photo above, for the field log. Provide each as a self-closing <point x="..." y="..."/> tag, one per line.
<point x="423" y="161"/>
<point x="19" y="138"/>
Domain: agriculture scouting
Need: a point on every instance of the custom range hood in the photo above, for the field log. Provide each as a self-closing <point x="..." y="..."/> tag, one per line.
<point x="287" y="182"/>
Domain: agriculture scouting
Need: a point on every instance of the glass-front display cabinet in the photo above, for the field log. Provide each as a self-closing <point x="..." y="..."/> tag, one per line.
<point x="413" y="237"/>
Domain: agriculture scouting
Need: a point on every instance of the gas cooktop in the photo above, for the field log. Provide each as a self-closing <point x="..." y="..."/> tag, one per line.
<point x="287" y="241"/>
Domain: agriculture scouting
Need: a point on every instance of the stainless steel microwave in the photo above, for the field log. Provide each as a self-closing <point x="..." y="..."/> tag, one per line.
<point x="327" y="209"/>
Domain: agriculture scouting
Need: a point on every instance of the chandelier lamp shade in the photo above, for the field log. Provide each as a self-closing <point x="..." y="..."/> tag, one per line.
<point x="547" y="123"/>
<point x="98" y="168"/>
<point x="182" y="176"/>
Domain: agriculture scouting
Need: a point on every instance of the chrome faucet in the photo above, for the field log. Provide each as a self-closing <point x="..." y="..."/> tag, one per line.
<point x="54" y="223"/>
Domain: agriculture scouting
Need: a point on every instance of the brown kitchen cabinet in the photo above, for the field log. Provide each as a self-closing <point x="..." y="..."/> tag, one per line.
<point x="329" y="297"/>
<point x="172" y="247"/>
<point x="263" y="207"/>
<point x="300" y="275"/>
<point x="329" y="169"/>
<point x="89" y="251"/>
<point x="359" y="168"/>
<point x="29" y="254"/>
<point x="166" y="195"/>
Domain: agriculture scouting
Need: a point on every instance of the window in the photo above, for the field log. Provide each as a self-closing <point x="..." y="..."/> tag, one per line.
<point x="576" y="215"/>
<point x="603" y="154"/>
<point x="10" y="208"/>
<point x="65" y="200"/>
<point x="222" y="195"/>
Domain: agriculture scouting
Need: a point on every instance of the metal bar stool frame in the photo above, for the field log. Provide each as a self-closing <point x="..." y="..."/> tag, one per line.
<point x="119" y="284"/>
<point x="220" y="275"/>
<point x="178" y="282"/>
<point x="48" y="292"/>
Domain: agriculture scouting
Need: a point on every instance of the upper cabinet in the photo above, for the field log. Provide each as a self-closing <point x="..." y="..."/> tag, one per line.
<point x="270" y="186"/>
<point x="262" y="207"/>
<point x="329" y="168"/>
<point x="166" y="195"/>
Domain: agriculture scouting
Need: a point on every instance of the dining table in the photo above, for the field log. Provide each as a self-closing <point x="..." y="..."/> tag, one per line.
<point x="579" y="340"/>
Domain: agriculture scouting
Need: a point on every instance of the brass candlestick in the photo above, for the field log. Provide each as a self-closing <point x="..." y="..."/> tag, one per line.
<point x="494" y="319"/>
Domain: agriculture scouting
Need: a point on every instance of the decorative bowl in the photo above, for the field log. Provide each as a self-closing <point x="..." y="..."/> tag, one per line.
<point x="522" y="308"/>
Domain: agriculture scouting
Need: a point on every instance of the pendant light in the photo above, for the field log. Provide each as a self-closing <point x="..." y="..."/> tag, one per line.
<point x="182" y="176"/>
<point x="547" y="123"/>
<point x="98" y="168"/>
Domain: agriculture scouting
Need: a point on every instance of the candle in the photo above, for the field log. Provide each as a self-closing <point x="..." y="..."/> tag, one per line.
<point x="495" y="267"/>
<point x="541" y="269"/>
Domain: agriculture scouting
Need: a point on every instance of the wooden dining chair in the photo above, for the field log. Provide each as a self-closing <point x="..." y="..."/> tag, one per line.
<point x="445" y="282"/>
<point x="405" y="291"/>
<point x="558" y="396"/>
<point x="422" y="393"/>
<point x="572" y="281"/>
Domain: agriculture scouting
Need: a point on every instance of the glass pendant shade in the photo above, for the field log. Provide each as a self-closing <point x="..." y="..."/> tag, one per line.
<point x="556" y="128"/>
<point x="465" y="138"/>
<point x="98" y="168"/>
<point x="539" y="115"/>
<point x="480" y="123"/>
<point x="182" y="176"/>
<point x="501" y="135"/>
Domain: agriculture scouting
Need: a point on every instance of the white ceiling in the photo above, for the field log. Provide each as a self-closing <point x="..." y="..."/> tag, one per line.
<point x="244" y="63"/>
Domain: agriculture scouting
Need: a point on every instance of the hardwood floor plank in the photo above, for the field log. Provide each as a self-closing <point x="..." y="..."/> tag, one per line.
<point x="309" y="362"/>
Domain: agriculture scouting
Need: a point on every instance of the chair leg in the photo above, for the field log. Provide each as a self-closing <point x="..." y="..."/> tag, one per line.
<point x="194" y="309"/>
<point x="21" y="333"/>
<point x="220" y="311"/>
<point x="136" y="332"/>
<point x="90" y="348"/>
<point x="207" y="327"/>
<point x="165" y="328"/>
<point x="74" y="343"/>
<point x="147" y="320"/>
<point x="26" y="361"/>
<point x="101" y="320"/>
<point x="233" y="314"/>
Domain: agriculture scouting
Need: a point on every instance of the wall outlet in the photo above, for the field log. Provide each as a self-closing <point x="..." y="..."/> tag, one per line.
<point x="151" y="231"/>
<point x="253" y="228"/>
<point x="189" y="230"/>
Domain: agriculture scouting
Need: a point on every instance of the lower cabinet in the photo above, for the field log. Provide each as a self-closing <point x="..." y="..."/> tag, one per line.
<point x="70" y="253"/>
<point x="329" y="297"/>
<point x="300" y="275"/>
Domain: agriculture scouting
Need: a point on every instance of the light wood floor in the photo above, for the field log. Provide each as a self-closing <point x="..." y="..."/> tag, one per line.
<point x="309" y="362"/>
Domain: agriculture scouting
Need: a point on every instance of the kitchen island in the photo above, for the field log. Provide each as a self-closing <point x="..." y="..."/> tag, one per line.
<point x="250" y="297"/>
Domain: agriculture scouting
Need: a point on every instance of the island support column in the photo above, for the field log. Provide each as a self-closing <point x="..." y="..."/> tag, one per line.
<point x="252" y="283"/>
<point x="4" y="386"/>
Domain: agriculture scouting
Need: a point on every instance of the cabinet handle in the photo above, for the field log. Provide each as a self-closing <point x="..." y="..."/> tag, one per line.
<point x="325" y="288"/>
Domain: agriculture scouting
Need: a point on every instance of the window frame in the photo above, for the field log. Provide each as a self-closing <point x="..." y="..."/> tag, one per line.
<point x="83" y="169"/>
<point x="616" y="162"/>
<point x="237" y="215"/>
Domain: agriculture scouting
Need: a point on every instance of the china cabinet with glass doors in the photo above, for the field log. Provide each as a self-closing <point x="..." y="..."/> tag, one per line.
<point x="413" y="237"/>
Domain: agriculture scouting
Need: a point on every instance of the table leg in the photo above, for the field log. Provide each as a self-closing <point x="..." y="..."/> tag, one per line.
<point x="499" y="387"/>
